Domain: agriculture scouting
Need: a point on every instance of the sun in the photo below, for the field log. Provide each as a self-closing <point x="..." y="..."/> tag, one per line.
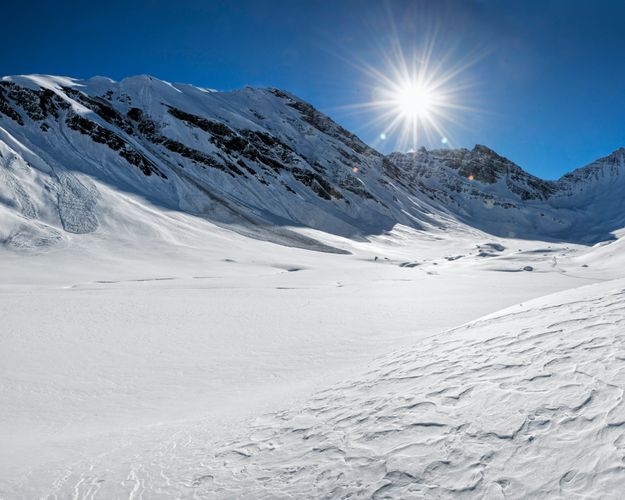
<point x="415" y="101"/>
<point x="414" y="106"/>
<point x="417" y="97"/>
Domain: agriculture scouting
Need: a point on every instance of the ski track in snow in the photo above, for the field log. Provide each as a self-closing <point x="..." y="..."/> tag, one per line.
<point x="523" y="403"/>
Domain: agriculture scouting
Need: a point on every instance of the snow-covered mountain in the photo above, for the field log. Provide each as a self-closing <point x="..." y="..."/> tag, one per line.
<point x="84" y="156"/>
<point x="248" y="158"/>
<point x="164" y="353"/>
<point x="490" y="192"/>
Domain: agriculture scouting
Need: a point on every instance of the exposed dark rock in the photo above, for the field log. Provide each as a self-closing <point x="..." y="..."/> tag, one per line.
<point x="253" y="145"/>
<point x="100" y="107"/>
<point x="390" y="169"/>
<point x="149" y="129"/>
<point x="135" y="114"/>
<point x="349" y="157"/>
<point x="245" y="166"/>
<point x="234" y="144"/>
<point x="38" y="104"/>
<point x="318" y="184"/>
<point x="7" y="110"/>
<point x="484" y="165"/>
<point x="212" y="127"/>
<point x="104" y="136"/>
<point x="50" y="103"/>
<point x="355" y="186"/>
<point x="257" y="114"/>
<point x="325" y="124"/>
<point x="190" y="153"/>
<point x="250" y="144"/>
<point x="462" y="171"/>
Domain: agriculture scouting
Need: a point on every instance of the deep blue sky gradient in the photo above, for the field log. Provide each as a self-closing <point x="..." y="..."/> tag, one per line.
<point x="548" y="88"/>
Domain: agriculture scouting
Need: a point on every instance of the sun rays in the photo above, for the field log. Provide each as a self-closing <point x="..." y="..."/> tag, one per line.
<point x="417" y="98"/>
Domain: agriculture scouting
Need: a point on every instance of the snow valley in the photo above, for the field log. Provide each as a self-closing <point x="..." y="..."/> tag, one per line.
<point x="228" y="295"/>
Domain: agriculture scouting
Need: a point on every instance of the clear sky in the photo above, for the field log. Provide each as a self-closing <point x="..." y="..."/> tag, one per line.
<point x="545" y="84"/>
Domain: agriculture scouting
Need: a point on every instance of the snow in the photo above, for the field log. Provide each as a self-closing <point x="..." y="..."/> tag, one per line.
<point x="106" y="347"/>
<point x="527" y="402"/>
<point x="206" y="335"/>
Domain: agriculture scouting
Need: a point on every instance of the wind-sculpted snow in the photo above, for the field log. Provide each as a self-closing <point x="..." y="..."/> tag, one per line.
<point x="526" y="403"/>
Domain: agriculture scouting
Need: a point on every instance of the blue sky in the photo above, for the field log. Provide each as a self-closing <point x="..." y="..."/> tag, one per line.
<point x="546" y="88"/>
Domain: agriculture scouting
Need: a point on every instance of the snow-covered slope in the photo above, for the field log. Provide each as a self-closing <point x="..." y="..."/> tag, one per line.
<point x="525" y="402"/>
<point x="82" y="156"/>
<point x="255" y="159"/>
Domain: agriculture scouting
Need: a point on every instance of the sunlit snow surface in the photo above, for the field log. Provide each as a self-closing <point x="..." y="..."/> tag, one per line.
<point x="129" y="372"/>
<point x="527" y="402"/>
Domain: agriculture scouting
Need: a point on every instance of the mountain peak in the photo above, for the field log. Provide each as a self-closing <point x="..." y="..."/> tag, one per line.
<point x="480" y="148"/>
<point x="619" y="153"/>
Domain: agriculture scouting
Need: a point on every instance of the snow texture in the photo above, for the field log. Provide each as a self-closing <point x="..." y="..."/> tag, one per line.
<point x="525" y="403"/>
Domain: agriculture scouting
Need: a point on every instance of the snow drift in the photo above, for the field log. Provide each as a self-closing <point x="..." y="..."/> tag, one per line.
<point x="526" y="402"/>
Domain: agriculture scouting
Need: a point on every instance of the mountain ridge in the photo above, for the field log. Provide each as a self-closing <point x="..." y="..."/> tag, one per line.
<point x="33" y="80"/>
<point x="262" y="158"/>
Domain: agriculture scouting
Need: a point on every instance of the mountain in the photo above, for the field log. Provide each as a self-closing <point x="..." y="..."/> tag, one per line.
<point x="488" y="191"/>
<point x="245" y="158"/>
<point x="99" y="156"/>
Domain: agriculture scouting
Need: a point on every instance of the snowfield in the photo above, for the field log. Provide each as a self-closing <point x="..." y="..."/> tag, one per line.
<point x="147" y="377"/>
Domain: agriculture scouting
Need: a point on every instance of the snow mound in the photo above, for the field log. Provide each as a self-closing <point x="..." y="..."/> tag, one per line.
<point x="525" y="403"/>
